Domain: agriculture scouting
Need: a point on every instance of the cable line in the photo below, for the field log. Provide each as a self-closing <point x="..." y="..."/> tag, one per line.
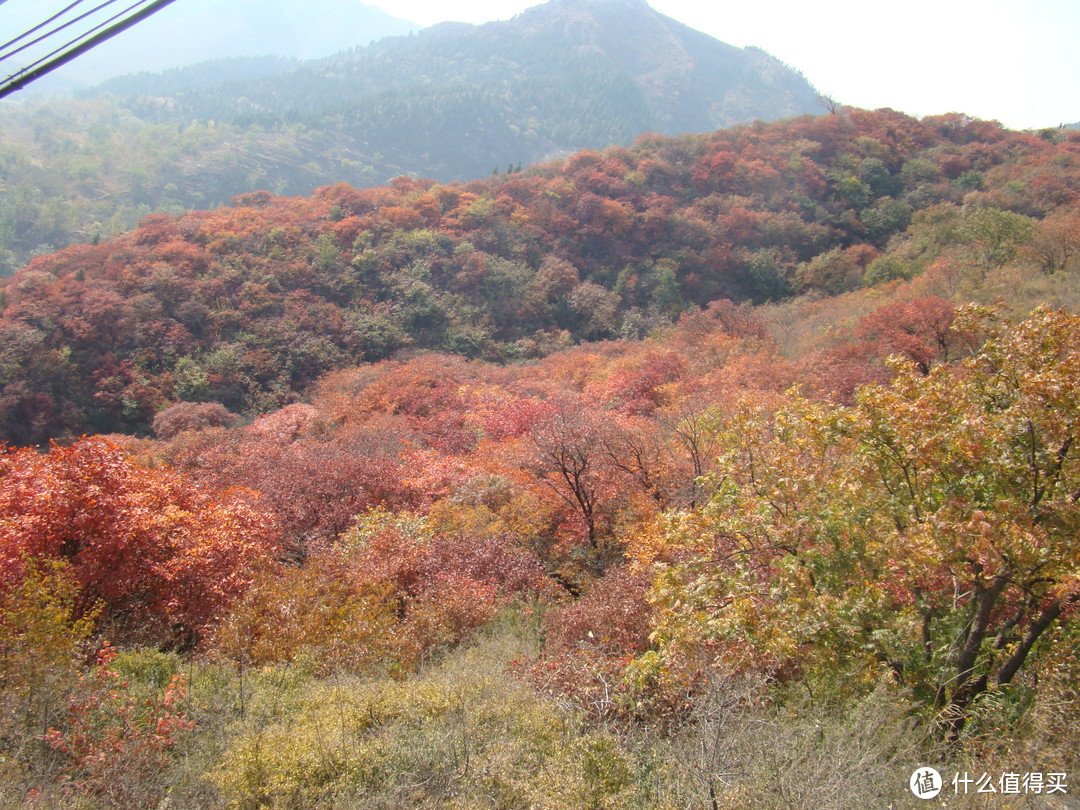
<point x="48" y="63"/>
<point x="55" y="16"/>
<point x="55" y="30"/>
<point x="79" y="37"/>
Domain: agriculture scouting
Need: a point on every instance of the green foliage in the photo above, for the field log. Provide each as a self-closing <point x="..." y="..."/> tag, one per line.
<point x="766" y="276"/>
<point x="846" y="534"/>
<point x="995" y="236"/>
<point x="884" y="218"/>
<point x="190" y="380"/>
<point x="887" y="268"/>
<point x="463" y="735"/>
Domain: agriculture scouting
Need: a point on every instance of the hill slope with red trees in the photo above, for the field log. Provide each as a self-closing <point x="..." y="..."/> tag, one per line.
<point x="248" y="305"/>
<point x="660" y="476"/>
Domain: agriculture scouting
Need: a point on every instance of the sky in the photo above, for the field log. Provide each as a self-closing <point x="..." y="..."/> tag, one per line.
<point x="1014" y="61"/>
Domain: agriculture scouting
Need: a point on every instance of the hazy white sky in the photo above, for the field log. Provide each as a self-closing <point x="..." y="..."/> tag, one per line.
<point x="1017" y="61"/>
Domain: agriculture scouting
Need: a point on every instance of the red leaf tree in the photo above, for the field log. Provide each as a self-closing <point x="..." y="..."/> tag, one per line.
<point x="161" y="556"/>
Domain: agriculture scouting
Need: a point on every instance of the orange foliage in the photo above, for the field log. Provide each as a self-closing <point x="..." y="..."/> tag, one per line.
<point x="159" y="554"/>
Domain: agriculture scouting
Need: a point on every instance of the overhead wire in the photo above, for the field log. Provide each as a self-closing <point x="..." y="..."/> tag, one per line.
<point x="56" y="30"/>
<point x="81" y="43"/>
<point x="81" y="36"/>
<point x="39" y="26"/>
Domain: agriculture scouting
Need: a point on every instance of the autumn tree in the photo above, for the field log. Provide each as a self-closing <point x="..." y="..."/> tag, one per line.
<point x="587" y="642"/>
<point x="160" y="556"/>
<point x="190" y="416"/>
<point x="1055" y="245"/>
<point x="921" y="330"/>
<point x="569" y="458"/>
<point x="928" y="533"/>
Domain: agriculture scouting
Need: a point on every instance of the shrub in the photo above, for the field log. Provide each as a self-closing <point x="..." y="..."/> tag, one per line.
<point x="463" y="735"/>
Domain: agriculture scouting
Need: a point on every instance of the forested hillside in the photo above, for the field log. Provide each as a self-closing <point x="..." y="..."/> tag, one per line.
<point x="724" y="470"/>
<point x="560" y="76"/>
<point x="248" y="305"/>
<point x="452" y="103"/>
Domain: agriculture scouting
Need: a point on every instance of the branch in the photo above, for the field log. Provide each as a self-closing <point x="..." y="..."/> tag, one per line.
<point x="1049" y="615"/>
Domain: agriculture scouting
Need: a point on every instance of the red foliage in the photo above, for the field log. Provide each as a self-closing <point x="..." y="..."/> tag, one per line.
<point x="725" y="316"/>
<point x="920" y="330"/>
<point x="415" y="565"/>
<point x="837" y="373"/>
<point x="157" y="552"/>
<point x="639" y="391"/>
<point x="515" y="417"/>
<point x="590" y="642"/>
<point x="611" y="619"/>
<point x="314" y="488"/>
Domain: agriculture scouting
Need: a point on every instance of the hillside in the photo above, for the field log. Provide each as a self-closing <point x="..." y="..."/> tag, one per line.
<point x="452" y="103"/>
<point x="248" y="305"/>
<point x="455" y="495"/>
<point x="559" y="77"/>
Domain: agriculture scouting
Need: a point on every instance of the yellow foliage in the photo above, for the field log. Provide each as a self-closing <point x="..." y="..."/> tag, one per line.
<point x="41" y="636"/>
<point x="317" y="610"/>
<point x="464" y="735"/>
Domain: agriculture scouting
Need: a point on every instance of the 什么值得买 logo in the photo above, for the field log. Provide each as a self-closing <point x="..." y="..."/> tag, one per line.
<point x="925" y="783"/>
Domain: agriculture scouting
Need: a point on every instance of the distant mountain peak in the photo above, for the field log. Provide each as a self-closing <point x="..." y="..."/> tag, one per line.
<point x="606" y="11"/>
<point x="457" y="99"/>
<point x="595" y="4"/>
<point x="691" y="81"/>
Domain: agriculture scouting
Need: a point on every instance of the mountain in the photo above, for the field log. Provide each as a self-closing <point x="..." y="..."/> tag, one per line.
<point x="193" y="31"/>
<point x="451" y="102"/>
<point x="690" y="81"/>
<point x="457" y="99"/>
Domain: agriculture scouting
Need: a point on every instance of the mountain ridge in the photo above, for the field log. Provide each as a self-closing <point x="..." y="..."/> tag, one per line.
<point x="687" y="80"/>
<point x="450" y="103"/>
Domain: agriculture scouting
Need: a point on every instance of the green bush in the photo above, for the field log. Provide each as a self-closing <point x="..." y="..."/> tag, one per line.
<point x="465" y="734"/>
